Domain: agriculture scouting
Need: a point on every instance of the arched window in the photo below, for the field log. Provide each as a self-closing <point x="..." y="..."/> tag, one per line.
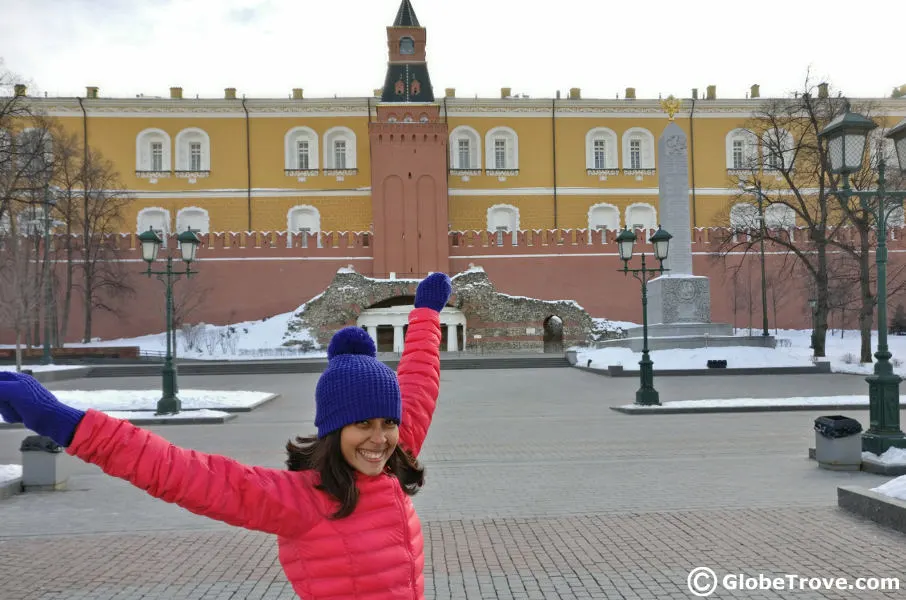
<point x="638" y="149"/>
<point x="876" y="141"/>
<point x="503" y="219"/>
<point x="601" y="149"/>
<point x="300" y="149"/>
<point x="779" y="216"/>
<point x="603" y="216"/>
<point x="407" y="45"/>
<point x="742" y="149"/>
<point x="777" y="149"/>
<point x="152" y="151"/>
<point x="193" y="150"/>
<point x="194" y="217"/>
<point x="641" y="216"/>
<point x="743" y="216"/>
<point x="155" y="218"/>
<point x="502" y="149"/>
<point x="339" y="149"/>
<point x="465" y="149"/>
<point x="303" y="219"/>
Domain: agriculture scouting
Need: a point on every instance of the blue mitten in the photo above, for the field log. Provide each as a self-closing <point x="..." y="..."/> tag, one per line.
<point x="433" y="292"/>
<point x="24" y="400"/>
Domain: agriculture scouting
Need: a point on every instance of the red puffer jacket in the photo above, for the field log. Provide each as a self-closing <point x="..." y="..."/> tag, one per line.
<point x="376" y="553"/>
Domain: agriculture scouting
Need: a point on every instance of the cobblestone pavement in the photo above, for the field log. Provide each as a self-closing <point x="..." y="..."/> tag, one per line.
<point x="536" y="489"/>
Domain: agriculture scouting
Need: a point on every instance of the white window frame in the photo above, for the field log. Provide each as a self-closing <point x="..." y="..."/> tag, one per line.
<point x="290" y="148"/>
<point x="750" y="149"/>
<point x="46" y="137"/>
<point x="647" y="147"/>
<point x="787" y="149"/>
<point x="890" y="150"/>
<point x="148" y="216"/>
<point x="195" y="217"/>
<point x="612" y="147"/>
<point x="512" y="149"/>
<point x="474" y="139"/>
<point x="331" y="136"/>
<point x="310" y="218"/>
<point x="184" y="140"/>
<point x="596" y="222"/>
<point x="779" y="216"/>
<point x="143" y="150"/>
<point x="639" y="206"/>
<point x="744" y="216"/>
<point x="503" y="215"/>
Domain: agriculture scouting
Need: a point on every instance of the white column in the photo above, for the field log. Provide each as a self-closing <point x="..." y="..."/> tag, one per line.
<point x="465" y="337"/>
<point x="452" y="342"/>
<point x="398" y="339"/>
<point x="372" y="331"/>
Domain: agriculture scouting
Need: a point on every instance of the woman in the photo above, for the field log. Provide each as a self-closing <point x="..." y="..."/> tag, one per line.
<point x="344" y="522"/>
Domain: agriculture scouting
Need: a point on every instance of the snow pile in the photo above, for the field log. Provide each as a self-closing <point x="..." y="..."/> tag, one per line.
<point x="10" y="473"/>
<point x="893" y="456"/>
<point x="895" y="488"/>
<point x="194" y="402"/>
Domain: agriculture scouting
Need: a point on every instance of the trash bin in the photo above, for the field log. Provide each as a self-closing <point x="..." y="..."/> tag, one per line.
<point x="838" y="445"/>
<point x="44" y="464"/>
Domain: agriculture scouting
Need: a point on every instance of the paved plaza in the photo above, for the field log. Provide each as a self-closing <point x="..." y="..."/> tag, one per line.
<point x="535" y="489"/>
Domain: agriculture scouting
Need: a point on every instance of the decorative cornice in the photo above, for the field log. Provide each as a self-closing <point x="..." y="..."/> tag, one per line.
<point x="453" y="106"/>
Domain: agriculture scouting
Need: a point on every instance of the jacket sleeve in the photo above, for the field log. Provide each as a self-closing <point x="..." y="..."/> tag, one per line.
<point x="419" y="377"/>
<point x="270" y="500"/>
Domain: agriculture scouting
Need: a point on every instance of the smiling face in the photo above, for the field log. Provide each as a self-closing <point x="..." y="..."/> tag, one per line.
<point x="367" y="445"/>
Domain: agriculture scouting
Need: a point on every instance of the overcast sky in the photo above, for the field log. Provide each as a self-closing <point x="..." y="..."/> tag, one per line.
<point x="264" y="48"/>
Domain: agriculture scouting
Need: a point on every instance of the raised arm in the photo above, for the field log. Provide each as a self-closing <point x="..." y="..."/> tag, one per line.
<point x="270" y="500"/>
<point x="419" y="377"/>
<point x="419" y="369"/>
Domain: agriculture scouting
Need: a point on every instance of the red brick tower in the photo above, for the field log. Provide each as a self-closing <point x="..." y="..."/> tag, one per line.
<point x="408" y="161"/>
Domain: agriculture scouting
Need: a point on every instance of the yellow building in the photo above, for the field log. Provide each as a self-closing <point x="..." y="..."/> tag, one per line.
<point x="237" y="164"/>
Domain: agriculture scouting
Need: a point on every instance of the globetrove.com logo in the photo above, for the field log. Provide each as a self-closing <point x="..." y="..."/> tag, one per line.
<point x="703" y="581"/>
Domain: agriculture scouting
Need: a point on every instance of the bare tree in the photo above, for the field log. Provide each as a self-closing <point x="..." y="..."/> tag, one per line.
<point x="19" y="286"/>
<point x="102" y="277"/>
<point x="790" y="175"/>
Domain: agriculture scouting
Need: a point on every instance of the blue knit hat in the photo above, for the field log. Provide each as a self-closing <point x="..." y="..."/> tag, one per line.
<point x="355" y="386"/>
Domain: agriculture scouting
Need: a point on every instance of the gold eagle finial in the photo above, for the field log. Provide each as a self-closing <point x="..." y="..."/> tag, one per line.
<point x="671" y="105"/>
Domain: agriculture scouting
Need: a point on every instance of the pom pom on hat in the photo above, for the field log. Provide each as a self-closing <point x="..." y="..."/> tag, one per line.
<point x="356" y="386"/>
<point x="351" y="340"/>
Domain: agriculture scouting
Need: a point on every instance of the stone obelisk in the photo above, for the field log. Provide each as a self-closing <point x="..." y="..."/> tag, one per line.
<point x="678" y="296"/>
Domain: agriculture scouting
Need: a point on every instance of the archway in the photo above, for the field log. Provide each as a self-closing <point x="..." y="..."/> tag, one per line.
<point x="553" y="334"/>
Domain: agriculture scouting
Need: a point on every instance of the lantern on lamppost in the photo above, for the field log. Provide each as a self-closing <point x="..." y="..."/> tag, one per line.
<point x="188" y="247"/>
<point x="846" y="138"/>
<point x="660" y="241"/>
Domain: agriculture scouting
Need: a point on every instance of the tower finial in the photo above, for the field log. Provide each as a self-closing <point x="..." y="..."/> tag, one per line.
<point x="405" y="17"/>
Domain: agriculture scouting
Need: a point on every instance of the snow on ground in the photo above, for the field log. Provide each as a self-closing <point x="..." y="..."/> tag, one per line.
<point x="186" y="414"/>
<point x="792" y="351"/>
<point x="10" y="473"/>
<point x="194" y="402"/>
<point x="248" y="340"/>
<point x="749" y="402"/>
<point x="36" y="368"/>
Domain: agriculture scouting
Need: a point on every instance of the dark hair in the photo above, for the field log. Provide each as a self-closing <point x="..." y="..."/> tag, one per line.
<point x="338" y="477"/>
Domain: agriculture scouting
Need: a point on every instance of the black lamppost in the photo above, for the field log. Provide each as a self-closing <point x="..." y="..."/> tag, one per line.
<point x="813" y="309"/>
<point x="846" y="136"/>
<point x="188" y="246"/>
<point x="646" y="394"/>
<point x="48" y="204"/>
